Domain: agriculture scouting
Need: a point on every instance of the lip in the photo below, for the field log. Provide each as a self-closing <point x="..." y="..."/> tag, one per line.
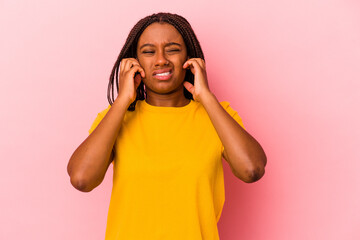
<point x="167" y="77"/>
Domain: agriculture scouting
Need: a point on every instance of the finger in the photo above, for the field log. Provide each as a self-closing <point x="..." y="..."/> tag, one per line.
<point x="133" y="62"/>
<point x="137" y="68"/>
<point x="122" y="64"/>
<point x="193" y="65"/>
<point x="189" y="87"/>
<point x="201" y="62"/>
<point x="186" y="64"/>
<point x="127" y="65"/>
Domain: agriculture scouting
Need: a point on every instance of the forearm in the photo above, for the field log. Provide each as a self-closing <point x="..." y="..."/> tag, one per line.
<point x="243" y="153"/>
<point x="90" y="161"/>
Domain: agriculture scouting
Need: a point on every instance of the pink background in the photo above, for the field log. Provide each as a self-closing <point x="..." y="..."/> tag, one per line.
<point x="290" y="68"/>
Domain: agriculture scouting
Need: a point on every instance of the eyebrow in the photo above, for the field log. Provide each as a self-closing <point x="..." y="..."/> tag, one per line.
<point x="166" y="45"/>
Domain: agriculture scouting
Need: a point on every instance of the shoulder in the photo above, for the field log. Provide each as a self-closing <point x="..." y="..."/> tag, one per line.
<point x="232" y="112"/>
<point x="228" y="108"/>
<point x="225" y="104"/>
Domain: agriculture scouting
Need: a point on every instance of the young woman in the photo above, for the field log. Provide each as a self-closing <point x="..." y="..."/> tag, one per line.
<point x="166" y="134"/>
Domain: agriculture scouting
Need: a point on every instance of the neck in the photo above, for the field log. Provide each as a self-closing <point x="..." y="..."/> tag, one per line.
<point x="176" y="99"/>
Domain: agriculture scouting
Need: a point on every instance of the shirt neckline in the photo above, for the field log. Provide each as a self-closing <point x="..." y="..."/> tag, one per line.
<point x="143" y="105"/>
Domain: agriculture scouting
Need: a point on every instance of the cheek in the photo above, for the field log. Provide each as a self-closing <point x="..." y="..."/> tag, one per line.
<point x="141" y="62"/>
<point x="145" y="65"/>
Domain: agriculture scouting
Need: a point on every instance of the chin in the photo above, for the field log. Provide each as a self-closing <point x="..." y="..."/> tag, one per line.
<point x="166" y="89"/>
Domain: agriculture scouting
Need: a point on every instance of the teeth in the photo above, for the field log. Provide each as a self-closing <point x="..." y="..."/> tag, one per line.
<point x="163" y="74"/>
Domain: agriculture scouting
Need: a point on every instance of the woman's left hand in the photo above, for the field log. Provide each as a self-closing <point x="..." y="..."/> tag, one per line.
<point x="200" y="88"/>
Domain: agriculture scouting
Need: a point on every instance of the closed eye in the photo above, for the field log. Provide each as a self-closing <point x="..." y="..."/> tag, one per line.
<point x="174" y="50"/>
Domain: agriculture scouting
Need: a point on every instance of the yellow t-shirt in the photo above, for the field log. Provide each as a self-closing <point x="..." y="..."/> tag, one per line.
<point x="168" y="178"/>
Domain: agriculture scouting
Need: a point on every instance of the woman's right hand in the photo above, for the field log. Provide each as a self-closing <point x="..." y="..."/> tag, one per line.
<point x="129" y="81"/>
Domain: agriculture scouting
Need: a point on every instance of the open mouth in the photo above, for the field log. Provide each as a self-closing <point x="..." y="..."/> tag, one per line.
<point x="163" y="74"/>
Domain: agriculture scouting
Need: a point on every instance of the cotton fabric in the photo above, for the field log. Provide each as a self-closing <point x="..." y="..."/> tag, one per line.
<point x="168" y="178"/>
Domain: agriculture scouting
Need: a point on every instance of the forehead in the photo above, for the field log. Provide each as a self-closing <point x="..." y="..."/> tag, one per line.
<point x="160" y="33"/>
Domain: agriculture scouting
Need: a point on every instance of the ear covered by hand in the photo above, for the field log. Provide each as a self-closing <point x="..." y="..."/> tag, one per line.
<point x="201" y="86"/>
<point x="129" y="78"/>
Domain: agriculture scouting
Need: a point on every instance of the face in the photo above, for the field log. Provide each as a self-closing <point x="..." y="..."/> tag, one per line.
<point x="161" y="52"/>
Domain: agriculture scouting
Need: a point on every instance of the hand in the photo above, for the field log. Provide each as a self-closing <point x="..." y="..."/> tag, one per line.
<point x="200" y="87"/>
<point x="129" y="81"/>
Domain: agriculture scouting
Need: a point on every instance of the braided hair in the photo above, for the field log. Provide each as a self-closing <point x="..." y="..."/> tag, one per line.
<point x="129" y="51"/>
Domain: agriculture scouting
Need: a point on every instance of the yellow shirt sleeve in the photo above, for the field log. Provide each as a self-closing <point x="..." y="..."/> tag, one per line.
<point x="98" y="119"/>
<point x="233" y="114"/>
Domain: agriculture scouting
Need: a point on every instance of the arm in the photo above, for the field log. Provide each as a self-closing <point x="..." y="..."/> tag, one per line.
<point x="90" y="161"/>
<point x="244" y="154"/>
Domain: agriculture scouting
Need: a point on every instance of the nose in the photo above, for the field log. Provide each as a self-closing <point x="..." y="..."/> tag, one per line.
<point x="161" y="59"/>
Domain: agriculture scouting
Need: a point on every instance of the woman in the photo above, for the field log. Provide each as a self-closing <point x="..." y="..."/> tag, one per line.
<point x="165" y="133"/>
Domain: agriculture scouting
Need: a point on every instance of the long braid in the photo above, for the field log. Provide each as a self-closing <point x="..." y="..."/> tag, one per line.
<point x="129" y="51"/>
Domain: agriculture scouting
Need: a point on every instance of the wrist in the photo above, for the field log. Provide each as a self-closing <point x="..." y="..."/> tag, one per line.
<point x="207" y="97"/>
<point x="122" y="101"/>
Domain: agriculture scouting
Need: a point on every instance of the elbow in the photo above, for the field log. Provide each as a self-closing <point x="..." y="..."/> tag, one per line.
<point x="255" y="169"/>
<point x="250" y="172"/>
<point x="78" y="179"/>
<point x="80" y="184"/>
<point x="253" y="175"/>
<point x="255" y="172"/>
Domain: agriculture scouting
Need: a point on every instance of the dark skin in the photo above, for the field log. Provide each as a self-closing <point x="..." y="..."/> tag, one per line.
<point x="161" y="47"/>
